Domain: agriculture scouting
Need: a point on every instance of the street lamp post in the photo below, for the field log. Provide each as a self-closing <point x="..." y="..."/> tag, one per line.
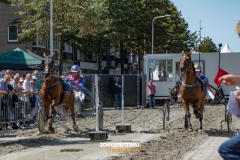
<point x="51" y="28"/>
<point x="153" y="29"/>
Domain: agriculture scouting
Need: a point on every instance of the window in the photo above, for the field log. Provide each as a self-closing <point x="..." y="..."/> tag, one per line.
<point x="161" y="70"/>
<point x="12" y="34"/>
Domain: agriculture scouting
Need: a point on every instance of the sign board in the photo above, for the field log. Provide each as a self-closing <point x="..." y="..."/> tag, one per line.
<point x="151" y="63"/>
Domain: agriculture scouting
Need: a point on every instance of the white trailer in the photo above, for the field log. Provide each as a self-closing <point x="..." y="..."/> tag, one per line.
<point x="156" y="64"/>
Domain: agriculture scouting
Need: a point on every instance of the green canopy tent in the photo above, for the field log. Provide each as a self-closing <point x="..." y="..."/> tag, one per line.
<point x="18" y="59"/>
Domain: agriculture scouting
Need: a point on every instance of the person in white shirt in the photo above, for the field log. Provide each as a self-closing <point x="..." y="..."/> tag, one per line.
<point x="27" y="87"/>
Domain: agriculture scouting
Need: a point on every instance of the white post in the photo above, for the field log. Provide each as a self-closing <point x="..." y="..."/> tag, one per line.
<point x="51" y="28"/>
<point x="96" y="101"/>
<point x="123" y="99"/>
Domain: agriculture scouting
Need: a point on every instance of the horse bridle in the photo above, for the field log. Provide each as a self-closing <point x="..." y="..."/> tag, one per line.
<point x="187" y="66"/>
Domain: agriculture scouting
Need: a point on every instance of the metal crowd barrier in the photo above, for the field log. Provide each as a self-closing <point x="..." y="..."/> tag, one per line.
<point x="16" y="110"/>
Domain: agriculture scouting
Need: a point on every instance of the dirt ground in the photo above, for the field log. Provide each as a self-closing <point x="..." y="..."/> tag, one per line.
<point x="173" y="143"/>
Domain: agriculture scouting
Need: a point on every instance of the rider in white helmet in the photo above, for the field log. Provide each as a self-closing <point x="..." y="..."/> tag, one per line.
<point x="198" y="70"/>
<point x="204" y="80"/>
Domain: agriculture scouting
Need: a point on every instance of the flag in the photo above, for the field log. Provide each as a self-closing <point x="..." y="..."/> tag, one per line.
<point x="219" y="74"/>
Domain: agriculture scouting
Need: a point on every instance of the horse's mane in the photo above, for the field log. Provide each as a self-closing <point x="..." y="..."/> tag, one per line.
<point x="194" y="72"/>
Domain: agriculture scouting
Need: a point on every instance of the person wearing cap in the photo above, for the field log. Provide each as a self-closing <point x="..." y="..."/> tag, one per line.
<point x="78" y="79"/>
<point x="117" y="92"/>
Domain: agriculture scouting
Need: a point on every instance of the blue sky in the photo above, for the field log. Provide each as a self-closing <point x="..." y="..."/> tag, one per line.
<point x="218" y="19"/>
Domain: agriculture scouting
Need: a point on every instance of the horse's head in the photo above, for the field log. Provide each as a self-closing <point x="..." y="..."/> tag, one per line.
<point x="48" y="66"/>
<point x="186" y="62"/>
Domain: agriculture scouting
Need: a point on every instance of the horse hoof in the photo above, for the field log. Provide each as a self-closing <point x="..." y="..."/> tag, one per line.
<point x="52" y="130"/>
<point x="75" y="127"/>
<point x="189" y="129"/>
<point x="199" y="130"/>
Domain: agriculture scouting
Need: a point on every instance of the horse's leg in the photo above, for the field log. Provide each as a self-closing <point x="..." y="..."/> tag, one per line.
<point x="51" y="116"/>
<point x="71" y="107"/>
<point x="187" y="124"/>
<point x="196" y="110"/>
<point x="202" y="104"/>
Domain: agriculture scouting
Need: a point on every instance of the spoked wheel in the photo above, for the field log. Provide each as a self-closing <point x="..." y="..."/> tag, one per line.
<point x="41" y="120"/>
<point x="229" y="120"/>
<point x="165" y="116"/>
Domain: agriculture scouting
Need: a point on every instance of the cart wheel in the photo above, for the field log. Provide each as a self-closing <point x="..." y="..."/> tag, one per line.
<point x="165" y="115"/>
<point x="41" y="120"/>
<point x="229" y="121"/>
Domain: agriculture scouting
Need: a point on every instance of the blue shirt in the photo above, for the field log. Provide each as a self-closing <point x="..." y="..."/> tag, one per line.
<point x="3" y="86"/>
<point x="205" y="79"/>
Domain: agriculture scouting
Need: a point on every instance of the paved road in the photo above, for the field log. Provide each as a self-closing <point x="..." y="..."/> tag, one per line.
<point x="207" y="151"/>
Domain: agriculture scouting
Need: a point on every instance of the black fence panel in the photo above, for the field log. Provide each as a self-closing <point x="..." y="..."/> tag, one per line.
<point x="130" y="90"/>
<point x="133" y="92"/>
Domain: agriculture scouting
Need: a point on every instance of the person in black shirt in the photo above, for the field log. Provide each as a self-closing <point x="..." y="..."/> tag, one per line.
<point x="117" y="91"/>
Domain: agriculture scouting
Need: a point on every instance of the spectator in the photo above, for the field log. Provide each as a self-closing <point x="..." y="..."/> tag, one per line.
<point x="20" y="83"/>
<point x="117" y="91"/>
<point x="10" y="73"/>
<point x="26" y="86"/>
<point x="151" y="91"/>
<point x="4" y="94"/>
<point x="34" y="96"/>
<point x="38" y="83"/>
<point x="16" y="87"/>
<point x="230" y="148"/>
<point x="26" y="82"/>
<point x="164" y="77"/>
<point x="24" y="76"/>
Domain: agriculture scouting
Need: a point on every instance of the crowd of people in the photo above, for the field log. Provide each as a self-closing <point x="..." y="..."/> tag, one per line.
<point x="19" y="88"/>
<point x="29" y="85"/>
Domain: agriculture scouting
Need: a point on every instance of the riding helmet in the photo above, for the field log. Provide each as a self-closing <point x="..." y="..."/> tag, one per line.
<point x="197" y="67"/>
<point x="75" y="68"/>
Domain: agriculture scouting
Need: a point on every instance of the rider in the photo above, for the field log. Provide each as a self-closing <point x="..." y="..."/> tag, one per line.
<point x="203" y="79"/>
<point x="78" y="79"/>
<point x="200" y="76"/>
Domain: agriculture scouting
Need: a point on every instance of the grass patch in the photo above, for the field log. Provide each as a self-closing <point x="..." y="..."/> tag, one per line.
<point x="100" y="140"/>
<point x="71" y="150"/>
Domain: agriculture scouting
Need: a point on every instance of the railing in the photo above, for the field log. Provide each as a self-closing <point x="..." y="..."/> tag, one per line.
<point x="17" y="109"/>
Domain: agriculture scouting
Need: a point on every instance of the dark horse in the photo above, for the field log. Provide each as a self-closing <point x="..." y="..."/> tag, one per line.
<point x="53" y="94"/>
<point x="191" y="91"/>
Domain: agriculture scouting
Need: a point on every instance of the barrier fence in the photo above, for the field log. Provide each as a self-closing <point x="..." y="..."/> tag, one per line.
<point x="18" y="108"/>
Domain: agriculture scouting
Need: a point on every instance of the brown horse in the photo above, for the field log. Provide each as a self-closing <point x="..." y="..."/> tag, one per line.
<point x="53" y="94"/>
<point x="191" y="91"/>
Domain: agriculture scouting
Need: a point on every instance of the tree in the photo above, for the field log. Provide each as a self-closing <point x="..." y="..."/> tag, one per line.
<point x="6" y="1"/>
<point x="69" y="16"/>
<point x="207" y="45"/>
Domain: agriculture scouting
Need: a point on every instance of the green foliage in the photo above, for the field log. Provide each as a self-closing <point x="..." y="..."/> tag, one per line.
<point x="130" y="21"/>
<point x="95" y="26"/>
<point x="69" y="16"/>
<point x="7" y="1"/>
<point x="207" y="45"/>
